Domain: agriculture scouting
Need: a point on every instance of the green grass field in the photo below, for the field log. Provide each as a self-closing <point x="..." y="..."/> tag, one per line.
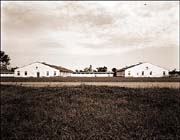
<point x="89" y="113"/>
<point x="90" y="79"/>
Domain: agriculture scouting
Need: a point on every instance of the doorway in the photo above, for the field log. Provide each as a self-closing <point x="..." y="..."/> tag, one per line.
<point x="38" y="74"/>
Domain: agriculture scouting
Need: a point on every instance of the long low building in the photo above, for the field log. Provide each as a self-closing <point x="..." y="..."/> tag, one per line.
<point x="92" y="74"/>
<point x="142" y="70"/>
<point x="6" y="73"/>
<point x="41" y="69"/>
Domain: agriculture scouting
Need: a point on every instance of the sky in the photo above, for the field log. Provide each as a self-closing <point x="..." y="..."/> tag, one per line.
<point x="76" y="34"/>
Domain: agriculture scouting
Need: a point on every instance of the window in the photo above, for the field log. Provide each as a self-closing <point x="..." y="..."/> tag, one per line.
<point x="147" y="68"/>
<point x="129" y="73"/>
<point x="142" y="72"/>
<point x="150" y="73"/>
<point x="47" y="73"/>
<point x="25" y="73"/>
<point x="36" y="67"/>
<point x="164" y="73"/>
<point x="54" y="73"/>
<point x="18" y="73"/>
<point x="137" y="73"/>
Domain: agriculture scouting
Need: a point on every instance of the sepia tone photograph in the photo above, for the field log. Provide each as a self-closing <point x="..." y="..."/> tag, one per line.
<point x="90" y="70"/>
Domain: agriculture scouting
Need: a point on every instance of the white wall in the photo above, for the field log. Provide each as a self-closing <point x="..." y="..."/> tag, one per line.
<point x="91" y="75"/>
<point x="147" y="68"/>
<point x="6" y="75"/>
<point x="65" y="74"/>
<point x="33" y="68"/>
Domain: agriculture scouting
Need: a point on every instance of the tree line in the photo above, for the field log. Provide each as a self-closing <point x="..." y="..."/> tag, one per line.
<point x="98" y="69"/>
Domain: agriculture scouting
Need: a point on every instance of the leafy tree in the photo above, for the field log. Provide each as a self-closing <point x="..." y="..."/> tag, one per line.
<point x="114" y="70"/>
<point x="90" y="68"/>
<point x="4" y="60"/>
<point x="86" y="69"/>
<point x="102" y="69"/>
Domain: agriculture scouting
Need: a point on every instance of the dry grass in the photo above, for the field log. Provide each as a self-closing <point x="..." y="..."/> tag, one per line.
<point x="89" y="79"/>
<point x="89" y="113"/>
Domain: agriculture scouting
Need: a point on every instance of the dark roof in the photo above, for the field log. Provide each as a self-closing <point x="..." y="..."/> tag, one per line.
<point x="127" y="67"/>
<point x="61" y="69"/>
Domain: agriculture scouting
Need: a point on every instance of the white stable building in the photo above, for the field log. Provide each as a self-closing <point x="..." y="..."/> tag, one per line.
<point x="41" y="69"/>
<point x="143" y="70"/>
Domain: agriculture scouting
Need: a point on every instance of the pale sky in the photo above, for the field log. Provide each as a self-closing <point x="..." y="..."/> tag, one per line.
<point x="77" y="34"/>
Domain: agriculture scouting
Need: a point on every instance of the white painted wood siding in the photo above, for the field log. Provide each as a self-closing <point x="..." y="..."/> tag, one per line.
<point x="34" y="68"/>
<point x="147" y="68"/>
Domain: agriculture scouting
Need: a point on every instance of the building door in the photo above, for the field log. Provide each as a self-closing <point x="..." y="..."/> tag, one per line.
<point x="38" y="74"/>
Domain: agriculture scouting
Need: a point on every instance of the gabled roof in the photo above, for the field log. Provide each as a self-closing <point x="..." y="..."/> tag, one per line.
<point x="62" y="69"/>
<point x="127" y="67"/>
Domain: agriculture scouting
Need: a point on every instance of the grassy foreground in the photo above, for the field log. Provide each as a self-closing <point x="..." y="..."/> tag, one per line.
<point x="89" y="79"/>
<point x="89" y="113"/>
